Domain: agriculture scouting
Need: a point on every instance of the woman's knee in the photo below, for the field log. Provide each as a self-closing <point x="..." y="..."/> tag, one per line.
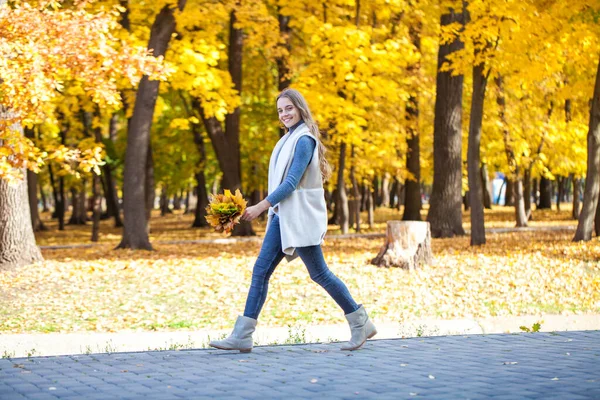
<point x="322" y="277"/>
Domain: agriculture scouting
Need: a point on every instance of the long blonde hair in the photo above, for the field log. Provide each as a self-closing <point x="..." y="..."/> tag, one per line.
<point x="300" y="103"/>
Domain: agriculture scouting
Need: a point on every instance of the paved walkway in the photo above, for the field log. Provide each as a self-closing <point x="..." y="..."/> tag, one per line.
<point x="546" y="366"/>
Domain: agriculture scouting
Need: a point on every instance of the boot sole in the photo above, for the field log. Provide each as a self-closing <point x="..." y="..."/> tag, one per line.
<point x="225" y="348"/>
<point x="360" y="345"/>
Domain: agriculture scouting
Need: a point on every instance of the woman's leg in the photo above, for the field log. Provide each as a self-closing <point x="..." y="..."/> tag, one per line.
<point x="312" y="256"/>
<point x="269" y="257"/>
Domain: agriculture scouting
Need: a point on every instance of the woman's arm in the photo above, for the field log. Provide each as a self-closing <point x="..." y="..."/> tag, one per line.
<point x="302" y="157"/>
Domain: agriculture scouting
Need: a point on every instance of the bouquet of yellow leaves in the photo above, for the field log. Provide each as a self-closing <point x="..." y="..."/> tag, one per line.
<point x="225" y="210"/>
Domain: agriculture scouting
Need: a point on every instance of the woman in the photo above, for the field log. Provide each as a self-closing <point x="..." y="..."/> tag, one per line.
<point x="296" y="225"/>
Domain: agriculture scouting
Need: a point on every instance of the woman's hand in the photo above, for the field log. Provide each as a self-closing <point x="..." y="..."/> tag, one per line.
<point x="253" y="212"/>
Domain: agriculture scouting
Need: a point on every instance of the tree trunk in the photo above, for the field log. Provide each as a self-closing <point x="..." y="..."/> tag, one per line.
<point x="32" y="190"/>
<point x="393" y="192"/>
<point x="201" y="193"/>
<point x="45" y="207"/>
<point x="110" y="191"/>
<point x="149" y="188"/>
<point x="399" y="195"/>
<point x="17" y="241"/>
<point x="342" y="206"/>
<point x="110" y="194"/>
<point x="363" y="197"/>
<point x="561" y="191"/>
<point x="59" y="199"/>
<point x="515" y="179"/>
<point x="597" y="222"/>
<point x="177" y="198"/>
<point x="412" y="185"/>
<point x="355" y="193"/>
<point x="335" y="209"/>
<point x="545" y="193"/>
<point x="445" y="211"/>
<point x="486" y="185"/>
<point x="202" y="203"/>
<point x="592" y="181"/>
<point x="186" y="201"/>
<point x="520" y="215"/>
<point x="370" y="213"/>
<point x="96" y="189"/>
<point x="135" y="232"/>
<point x="527" y="192"/>
<point x="232" y="121"/>
<point x="535" y="191"/>
<point x="164" y="202"/>
<point x="576" y="196"/>
<point x="474" y="157"/>
<point x="385" y="190"/>
<point x="377" y="192"/>
<point x="283" y="68"/>
<point x="79" y="214"/>
<point x="407" y="245"/>
<point x="509" y="196"/>
<point x="227" y="144"/>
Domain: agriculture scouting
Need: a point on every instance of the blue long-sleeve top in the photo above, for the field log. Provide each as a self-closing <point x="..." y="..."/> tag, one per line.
<point x="303" y="153"/>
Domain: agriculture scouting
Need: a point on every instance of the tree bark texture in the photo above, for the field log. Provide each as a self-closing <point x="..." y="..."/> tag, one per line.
<point x="226" y="143"/>
<point x="108" y="183"/>
<point x="202" y="203"/>
<point x="515" y="181"/>
<point x="135" y="232"/>
<point x="487" y="187"/>
<point x="45" y="207"/>
<point x="17" y="241"/>
<point x="370" y="211"/>
<point x="412" y="191"/>
<point x="445" y="211"/>
<point x="509" y="195"/>
<point x="576" y="195"/>
<point x="592" y="181"/>
<point x="355" y="193"/>
<point x="527" y="192"/>
<point x="79" y="212"/>
<point x="32" y="190"/>
<point x="407" y="245"/>
<point x="545" y="193"/>
<point x="342" y="200"/>
<point x="474" y="157"/>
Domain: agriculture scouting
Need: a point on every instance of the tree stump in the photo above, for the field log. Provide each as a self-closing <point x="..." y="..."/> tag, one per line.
<point x="407" y="245"/>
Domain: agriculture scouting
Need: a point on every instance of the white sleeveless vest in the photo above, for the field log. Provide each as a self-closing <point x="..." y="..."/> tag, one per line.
<point x="303" y="214"/>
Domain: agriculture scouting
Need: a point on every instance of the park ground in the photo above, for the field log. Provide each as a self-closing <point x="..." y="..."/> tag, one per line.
<point x="193" y="281"/>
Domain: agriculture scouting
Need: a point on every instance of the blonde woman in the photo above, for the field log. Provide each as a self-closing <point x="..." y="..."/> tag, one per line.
<point x="297" y="223"/>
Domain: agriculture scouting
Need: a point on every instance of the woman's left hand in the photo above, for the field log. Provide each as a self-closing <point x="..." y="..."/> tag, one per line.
<point x="253" y="212"/>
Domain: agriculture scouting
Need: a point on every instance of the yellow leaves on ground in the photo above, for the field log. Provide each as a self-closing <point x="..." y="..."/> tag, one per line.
<point x="204" y="286"/>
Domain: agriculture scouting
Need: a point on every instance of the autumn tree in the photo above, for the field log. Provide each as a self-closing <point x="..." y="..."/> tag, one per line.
<point x="52" y="37"/>
<point x="135" y="227"/>
<point x="445" y="212"/>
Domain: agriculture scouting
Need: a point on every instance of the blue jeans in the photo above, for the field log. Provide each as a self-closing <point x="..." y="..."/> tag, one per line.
<point x="312" y="256"/>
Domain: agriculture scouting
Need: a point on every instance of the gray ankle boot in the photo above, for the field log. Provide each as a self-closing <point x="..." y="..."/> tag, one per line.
<point x="241" y="337"/>
<point x="361" y="329"/>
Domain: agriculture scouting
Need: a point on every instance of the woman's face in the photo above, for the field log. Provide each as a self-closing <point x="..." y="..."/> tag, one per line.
<point x="289" y="115"/>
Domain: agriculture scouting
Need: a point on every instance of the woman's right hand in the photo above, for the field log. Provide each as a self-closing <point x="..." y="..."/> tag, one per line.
<point x="253" y="212"/>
